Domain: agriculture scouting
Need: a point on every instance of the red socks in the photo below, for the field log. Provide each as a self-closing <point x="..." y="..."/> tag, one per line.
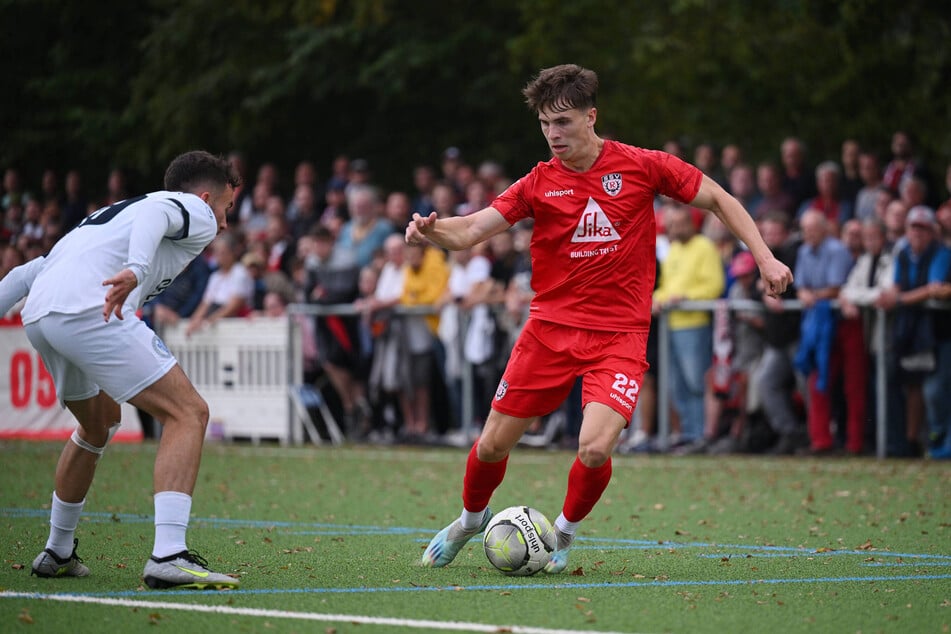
<point x="481" y="480"/>
<point x="585" y="486"/>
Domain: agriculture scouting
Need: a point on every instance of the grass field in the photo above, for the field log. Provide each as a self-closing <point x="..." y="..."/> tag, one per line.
<point x="328" y="540"/>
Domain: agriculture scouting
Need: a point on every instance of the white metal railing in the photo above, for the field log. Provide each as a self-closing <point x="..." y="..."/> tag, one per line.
<point x="663" y="397"/>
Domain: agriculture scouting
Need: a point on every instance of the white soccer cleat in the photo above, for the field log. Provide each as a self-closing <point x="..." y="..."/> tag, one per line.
<point x="49" y="564"/>
<point x="449" y="541"/>
<point x="186" y="570"/>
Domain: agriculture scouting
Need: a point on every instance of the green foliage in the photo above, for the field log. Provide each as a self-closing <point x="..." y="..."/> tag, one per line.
<point x="396" y="82"/>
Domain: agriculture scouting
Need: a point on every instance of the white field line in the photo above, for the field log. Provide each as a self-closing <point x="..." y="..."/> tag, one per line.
<point x="458" y="626"/>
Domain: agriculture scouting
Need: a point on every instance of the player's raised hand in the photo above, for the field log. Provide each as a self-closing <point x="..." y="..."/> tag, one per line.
<point x="122" y="283"/>
<point x="776" y="277"/>
<point x="419" y="227"/>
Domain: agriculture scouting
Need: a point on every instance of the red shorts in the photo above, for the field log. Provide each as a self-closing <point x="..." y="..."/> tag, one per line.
<point x="548" y="357"/>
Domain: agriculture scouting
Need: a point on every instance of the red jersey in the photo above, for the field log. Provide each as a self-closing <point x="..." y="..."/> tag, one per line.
<point x="593" y="244"/>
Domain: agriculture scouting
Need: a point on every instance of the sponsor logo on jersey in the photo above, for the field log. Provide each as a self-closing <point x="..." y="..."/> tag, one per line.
<point x="502" y="389"/>
<point x="557" y="193"/>
<point x="612" y="183"/>
<point x="594" y="226"/>
<point x="160" y="348"/>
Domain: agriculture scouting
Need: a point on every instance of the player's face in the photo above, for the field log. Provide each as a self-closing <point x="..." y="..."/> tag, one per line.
<point x="220" y="202"/>
<point x="567" y="131"/>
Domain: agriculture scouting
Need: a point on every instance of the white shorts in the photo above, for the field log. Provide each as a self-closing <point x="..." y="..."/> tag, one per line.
<point x="85" y="354"/>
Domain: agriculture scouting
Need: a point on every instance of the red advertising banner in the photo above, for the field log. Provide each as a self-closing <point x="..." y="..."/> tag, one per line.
<point x="29" y="408"/>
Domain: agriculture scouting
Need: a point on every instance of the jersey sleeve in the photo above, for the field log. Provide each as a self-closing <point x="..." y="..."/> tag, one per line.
<point x="16" y="284"/>
<point x="172" y="219"/>
<point x="674" y="177"/>
<point x="515" y="202"/>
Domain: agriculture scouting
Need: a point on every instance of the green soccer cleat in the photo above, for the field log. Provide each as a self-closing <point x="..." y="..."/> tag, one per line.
<point x="184" y="570"/>
<point x="49" y="564"/>
<point x="559" y="558"/>
<point x="449" y="541"/>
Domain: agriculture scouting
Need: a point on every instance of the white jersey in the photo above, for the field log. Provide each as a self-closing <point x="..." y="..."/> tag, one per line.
<point x="155" y="235"/>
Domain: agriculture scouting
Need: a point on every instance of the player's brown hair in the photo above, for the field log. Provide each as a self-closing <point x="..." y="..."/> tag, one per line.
<point x="562" y="88"/>
<point x="199" y="167"/>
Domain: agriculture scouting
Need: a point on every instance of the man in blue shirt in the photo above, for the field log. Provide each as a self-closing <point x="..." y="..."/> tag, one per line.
<point x="822" y="266"/>
<point x="920" y="266"/>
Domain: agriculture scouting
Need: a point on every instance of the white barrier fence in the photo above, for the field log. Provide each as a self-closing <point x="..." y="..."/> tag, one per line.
<point x="243" y="368"/>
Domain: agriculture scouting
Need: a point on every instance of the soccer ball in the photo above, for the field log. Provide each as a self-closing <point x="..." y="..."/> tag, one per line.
<point x="519" y="541"/>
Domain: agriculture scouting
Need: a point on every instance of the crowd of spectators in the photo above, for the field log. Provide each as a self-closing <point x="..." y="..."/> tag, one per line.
<point x="860" y="231"/>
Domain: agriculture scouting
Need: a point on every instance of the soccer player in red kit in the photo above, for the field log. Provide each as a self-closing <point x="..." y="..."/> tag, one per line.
<point x="593" y="275"/>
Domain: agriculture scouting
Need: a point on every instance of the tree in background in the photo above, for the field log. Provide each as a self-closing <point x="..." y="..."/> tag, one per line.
<point x="135" y="83"/>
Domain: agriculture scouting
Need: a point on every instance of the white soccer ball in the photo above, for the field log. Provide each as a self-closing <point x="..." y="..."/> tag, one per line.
<point x="519" y="541"/>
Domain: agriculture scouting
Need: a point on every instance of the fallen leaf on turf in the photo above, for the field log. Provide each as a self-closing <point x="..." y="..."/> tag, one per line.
<point x="25" y="617"/>
<point x="680" y="532"/>
<point x="330" y="630"/>
<point x="154" y="618"/>
<point x="867" y="545"/>
<point x="17" y="566"/>
<point x="578" y="572"/>
<point x="824" y="549"/>
<point x="584" y="599"/>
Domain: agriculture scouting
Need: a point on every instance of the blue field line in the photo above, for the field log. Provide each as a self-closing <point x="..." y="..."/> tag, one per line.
<point x="585" y="543"/>
<point x="137" y="518"/>
<point x="512" y="587"/>
<point x="902" y="564"/>
<point x="760" y="551"/>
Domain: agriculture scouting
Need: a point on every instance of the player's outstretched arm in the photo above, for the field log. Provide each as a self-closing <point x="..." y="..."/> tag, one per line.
<point x="122" y="283"/>
<point x="16" y="284"/>
<point x="776" y="275"/>
<point x="458" y="232"/>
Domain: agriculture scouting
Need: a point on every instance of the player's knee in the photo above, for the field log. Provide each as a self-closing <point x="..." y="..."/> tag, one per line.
<point x="593" y="454"/>
<point x="94" y="438"/>
<point x="202" y="412"/>
<point x="489" y="450"/>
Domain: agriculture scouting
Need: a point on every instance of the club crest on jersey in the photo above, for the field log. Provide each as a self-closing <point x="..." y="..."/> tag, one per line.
<point x="502" y="389"/>
<point x="612" y="183"/>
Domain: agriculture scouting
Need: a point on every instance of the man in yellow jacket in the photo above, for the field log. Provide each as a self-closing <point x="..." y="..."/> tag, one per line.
<point x="692" y="270"/>
<point x="425" y="276"/>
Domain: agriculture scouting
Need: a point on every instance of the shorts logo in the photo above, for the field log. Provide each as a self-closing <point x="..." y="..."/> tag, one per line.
<point x="160" y="348"/>
<point x="503" y="388"/>
<point x="612" y="183"/>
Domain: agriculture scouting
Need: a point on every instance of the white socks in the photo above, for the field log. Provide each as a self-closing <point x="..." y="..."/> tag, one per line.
<point x="64" y="518"/>
<point x="471" y="521"/>
<point x="565" y="526"/>
<point x="171" y="521"/>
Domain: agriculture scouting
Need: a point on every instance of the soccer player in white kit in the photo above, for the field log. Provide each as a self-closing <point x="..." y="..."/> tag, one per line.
<point x="80" y="316"/>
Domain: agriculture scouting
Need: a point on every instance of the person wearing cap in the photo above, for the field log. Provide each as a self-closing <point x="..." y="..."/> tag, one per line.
<point x="451" y="160"/>
<point x="359" y="173"/>
<point x="922" y="262"/>
<point x="727" y="392"/>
